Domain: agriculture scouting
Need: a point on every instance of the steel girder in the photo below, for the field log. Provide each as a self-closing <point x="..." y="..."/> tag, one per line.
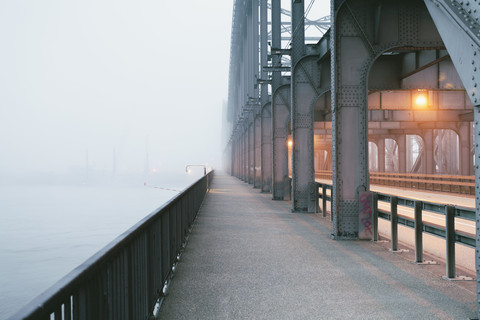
<point x="355" y="44"/>
<point x="457" y="23"/>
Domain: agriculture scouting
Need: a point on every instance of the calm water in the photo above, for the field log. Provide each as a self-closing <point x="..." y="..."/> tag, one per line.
<point x="46" y="231"/>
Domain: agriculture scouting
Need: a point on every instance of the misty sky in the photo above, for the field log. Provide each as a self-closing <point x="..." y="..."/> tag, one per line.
<point x="100" y="75"/>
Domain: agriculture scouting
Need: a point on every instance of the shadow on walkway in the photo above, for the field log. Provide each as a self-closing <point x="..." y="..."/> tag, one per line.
<point x="249" y="257"/>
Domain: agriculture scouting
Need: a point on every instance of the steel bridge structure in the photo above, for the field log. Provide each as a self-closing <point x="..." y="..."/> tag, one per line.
<point x="391" y="86"/>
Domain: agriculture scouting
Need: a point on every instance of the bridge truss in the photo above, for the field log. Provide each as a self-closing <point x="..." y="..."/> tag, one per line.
<point x="398" y="75"/>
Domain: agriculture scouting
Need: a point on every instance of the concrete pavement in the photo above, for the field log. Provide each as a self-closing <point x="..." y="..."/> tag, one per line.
<point x="249" y="257"/>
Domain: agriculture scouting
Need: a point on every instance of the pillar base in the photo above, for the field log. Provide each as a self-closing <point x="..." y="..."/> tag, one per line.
<point x="345" y="236"/>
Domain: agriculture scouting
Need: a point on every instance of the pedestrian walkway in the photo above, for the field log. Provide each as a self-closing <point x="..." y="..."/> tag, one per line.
<point x="249" y="257"/>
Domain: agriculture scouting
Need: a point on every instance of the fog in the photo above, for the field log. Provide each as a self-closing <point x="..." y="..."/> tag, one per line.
<point x="112" y="87"/>
<point x="118" y="85"/>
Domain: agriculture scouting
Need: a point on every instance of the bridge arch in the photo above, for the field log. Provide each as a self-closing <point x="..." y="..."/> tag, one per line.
<point x="356" y="45"/>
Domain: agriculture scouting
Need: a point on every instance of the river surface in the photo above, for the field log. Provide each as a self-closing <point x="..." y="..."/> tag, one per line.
<point x="46" y="231"/>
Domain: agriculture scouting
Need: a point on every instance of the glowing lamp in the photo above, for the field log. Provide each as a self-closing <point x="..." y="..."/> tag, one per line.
<point x="290" y="143"/>
<point x="421" y="100"/>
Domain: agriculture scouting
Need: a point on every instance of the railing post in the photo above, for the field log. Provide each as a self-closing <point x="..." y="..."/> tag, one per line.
<point x="317" y="197"/>
<point x="324" y="200"/>
<point x="331" y="195"/>
<point x="418" y="232"/>
<point x="394" y="223"/>
<point x="450" y="240"/>
<point x="375" y="217"/>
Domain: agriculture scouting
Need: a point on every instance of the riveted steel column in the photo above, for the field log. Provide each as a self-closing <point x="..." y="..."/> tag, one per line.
<point x="276" y="42"/>
<point x="280" y="116"/>
<point x="257" y="163"/>
<point x="232" y="156"/>
<point x="240" y="154"/>
<point x="305" y="91"/>
<point x="245" y="154"/>
<point x="267" y="148"/>
<point x="251" y="150"/>
<point x="231" y="159"/>
<point x="280" y="119"/>
<point x="266" y="112"/>
<point x="298" y="31"/>
<point x="241" y="150"/>
<point x="302" y="98"/>
<point x="255" y="43"/>
<point x="237" y="156"/>
<point x="349" y="54"/>
<point x="249" y="53"/>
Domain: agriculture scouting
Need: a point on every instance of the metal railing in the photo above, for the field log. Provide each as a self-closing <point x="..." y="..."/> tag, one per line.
<point x="130" y="276"/>
<point x="431" y="182"/>
<point x="447" y="232"/>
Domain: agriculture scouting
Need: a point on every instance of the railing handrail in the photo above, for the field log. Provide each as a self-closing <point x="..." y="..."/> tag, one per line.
<point x="56" y="294"/>
<point x="433" y="182"/>
<point x="420" y="175"/>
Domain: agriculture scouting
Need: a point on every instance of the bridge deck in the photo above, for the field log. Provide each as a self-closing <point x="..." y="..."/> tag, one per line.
<point x="250" y="258"/>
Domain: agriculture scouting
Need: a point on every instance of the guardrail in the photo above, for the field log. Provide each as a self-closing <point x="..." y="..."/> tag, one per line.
<point x="448" y="232"/>
<point x="431" y="182"/>
<point x="130" y="276"/>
